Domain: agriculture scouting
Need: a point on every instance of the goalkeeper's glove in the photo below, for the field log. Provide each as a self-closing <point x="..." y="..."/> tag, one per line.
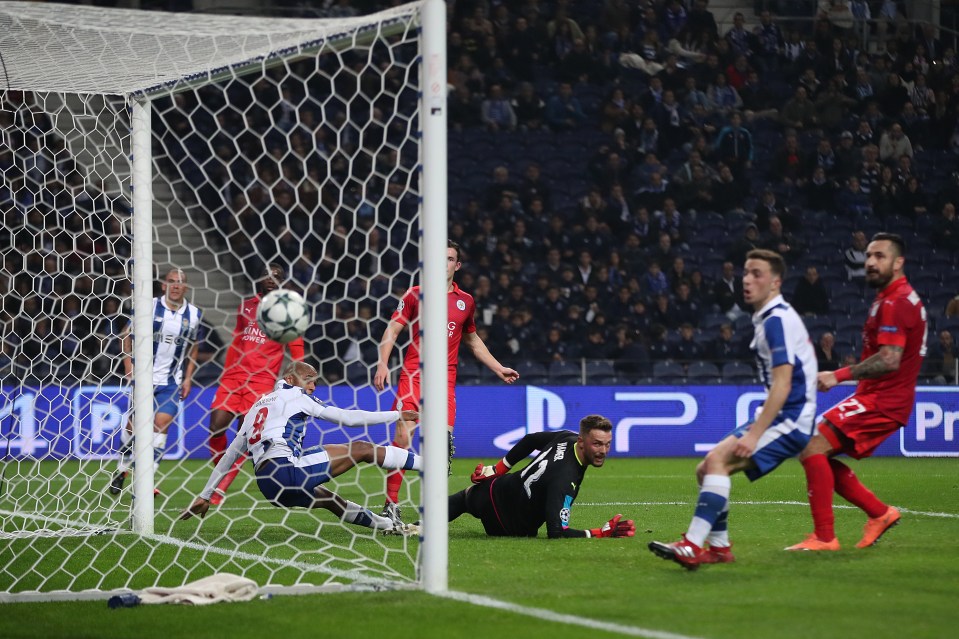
<point x="482" y="472"/>
<point x="615" y="527"/>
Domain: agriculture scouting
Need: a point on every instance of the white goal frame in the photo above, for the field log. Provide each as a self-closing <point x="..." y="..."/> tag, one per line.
<point x="433" y="556"/>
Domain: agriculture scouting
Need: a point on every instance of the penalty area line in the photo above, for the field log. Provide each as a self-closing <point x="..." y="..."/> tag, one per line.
<point x="556" y="617"/>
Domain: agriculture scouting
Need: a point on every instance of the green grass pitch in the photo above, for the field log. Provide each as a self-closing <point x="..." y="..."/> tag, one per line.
<point x="906" y="586"/>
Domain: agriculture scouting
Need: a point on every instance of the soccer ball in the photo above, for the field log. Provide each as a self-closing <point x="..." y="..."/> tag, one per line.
<point x="283" y="315"/>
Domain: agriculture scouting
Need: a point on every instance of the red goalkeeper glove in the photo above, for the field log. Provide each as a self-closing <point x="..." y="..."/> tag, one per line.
<point x="482" y="472"/>
<point x="615" y="527"/>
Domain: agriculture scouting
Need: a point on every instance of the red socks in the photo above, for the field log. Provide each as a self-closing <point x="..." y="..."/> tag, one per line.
<point x="820" y="482"/>
<point x="393" y="482"/>
<point x="851" y="489"/>
<point x="217" y="447"/>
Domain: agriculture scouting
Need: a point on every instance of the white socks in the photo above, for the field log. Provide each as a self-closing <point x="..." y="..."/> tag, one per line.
<point x="399" y="458"/>
<point x="713" y="500"/>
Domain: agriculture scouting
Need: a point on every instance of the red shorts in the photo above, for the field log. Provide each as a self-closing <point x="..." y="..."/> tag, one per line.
<point x="857" y="427"/>
<point x="237" y="396"/>
<point x="408" y="396"/>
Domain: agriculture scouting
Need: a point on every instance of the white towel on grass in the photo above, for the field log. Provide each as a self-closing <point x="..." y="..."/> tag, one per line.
<point x="212" y="589"/>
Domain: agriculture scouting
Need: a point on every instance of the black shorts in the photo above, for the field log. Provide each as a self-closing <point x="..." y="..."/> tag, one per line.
<point x="480" y="504"/>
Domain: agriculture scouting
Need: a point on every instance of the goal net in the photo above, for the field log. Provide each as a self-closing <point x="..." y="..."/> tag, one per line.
<point x="139" y="144"/>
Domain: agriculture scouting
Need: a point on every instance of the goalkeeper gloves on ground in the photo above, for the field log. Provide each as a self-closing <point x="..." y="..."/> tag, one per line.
<point x="482" y="472"/>
<point x="615" y="527"/>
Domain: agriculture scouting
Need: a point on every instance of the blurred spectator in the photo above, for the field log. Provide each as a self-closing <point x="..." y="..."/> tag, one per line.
<point x="500" y="186"/>
<point x="810" y="296"/>
<point x="864" y="135"/>
<point x="663" y="312"/>
<point x="945" y="230"/>
<point x="676" y="273"/>
<point x="728" y="193"/>
<point x="734" y="146"/>
<point x="700" y="22"/>
<point x="871" y="169"/>
<point x="595" y="345"/>
<point x="790" y="163"/>
<point x="854" y="258"/>
<point x="615" y="111"/>
<point x="654" y="280"/>
<point x="885" y="195"/>
<point x="736" y="252"/>
<point x="670" y="221"/>
<point x="663" y="251"/>
<point x="827" y="356"/>
<point x="686" y="309"/>
<point x="725" y="346"/>
<point x="777" y="239"/>
<point x="770" y="43"/>
<point x="671" y="120"/>
<point x="832" y="105"/>
<point x="563" y="110"/>
<point x="894" y="143"/>
<point x="941" y="363"/>
<point x="725" y="99"/>
<point x="799" y="112"/>
<point x="912" y="202"/>
<point x="529" y="108"/>
<point x="687" y="349"/>
<point x="848" y="156"/>
<point x="741" y="40"/>
<point x="534" y="186"/>
<point x="496" y="112"/>
<point x="892" y="97"/>
<point x="559" y="347"/>
<point x="825" y="157"/>
<point x="952" y="307"/>
<point x="658" y="345"/>
<point x="852" y="203"/>
<point x="464" y="110"/>
<point x="523" y="49"/>
<point x="769" y="207"/>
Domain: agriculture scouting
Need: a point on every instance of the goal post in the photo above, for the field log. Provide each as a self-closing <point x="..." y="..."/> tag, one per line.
<point x="216" y="145"/>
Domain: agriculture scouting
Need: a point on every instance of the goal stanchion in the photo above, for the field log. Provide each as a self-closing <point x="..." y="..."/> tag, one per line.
<point x="253" y="142"/>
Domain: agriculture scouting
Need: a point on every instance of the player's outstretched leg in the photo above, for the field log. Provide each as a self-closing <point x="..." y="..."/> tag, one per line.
<point x="711" y="507"/>
<point x="352" y="513"/>
<point x="683" y="552"/>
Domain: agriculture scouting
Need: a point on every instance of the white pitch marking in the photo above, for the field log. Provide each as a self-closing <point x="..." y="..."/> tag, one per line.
<point x="921" y="513"/>
<point x="549" y="615"/>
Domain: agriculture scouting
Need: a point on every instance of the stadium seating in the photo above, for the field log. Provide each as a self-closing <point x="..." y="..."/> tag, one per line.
<point x="532" y="373"/>
<point x="703" y="373"/>
<point x="669" y="372"/>
<point x="564" y="372"/>
<point x="738" y="373"/>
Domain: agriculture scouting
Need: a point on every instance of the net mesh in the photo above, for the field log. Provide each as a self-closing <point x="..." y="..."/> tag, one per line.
<point x="291" y="142"/>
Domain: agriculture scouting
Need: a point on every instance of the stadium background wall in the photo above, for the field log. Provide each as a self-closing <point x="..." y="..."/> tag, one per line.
<point x="661" y="421"/>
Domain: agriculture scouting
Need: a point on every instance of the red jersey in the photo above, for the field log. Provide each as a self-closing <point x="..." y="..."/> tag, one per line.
<point x="459" y="313"/>
<point x="896" y="318"/>
<point x="252" y="355"/>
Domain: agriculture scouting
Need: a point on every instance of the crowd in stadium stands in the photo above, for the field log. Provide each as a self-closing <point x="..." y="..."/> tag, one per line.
<point x="609" y="169"/>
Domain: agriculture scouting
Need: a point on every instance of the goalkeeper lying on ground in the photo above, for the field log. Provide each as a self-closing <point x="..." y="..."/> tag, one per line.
<point x="517" y="504"/>
<point x="288" y="476"/>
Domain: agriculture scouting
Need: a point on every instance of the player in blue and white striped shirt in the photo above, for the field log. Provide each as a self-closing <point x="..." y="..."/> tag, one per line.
<point x="176" y="333"/>
<point x="781" y="428"/>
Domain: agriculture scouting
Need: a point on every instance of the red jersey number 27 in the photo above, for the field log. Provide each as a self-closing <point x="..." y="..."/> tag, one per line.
<point x="258" y="423"/>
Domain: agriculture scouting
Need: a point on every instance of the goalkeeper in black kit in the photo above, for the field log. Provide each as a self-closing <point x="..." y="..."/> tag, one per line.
<point x="517" y="504"/>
